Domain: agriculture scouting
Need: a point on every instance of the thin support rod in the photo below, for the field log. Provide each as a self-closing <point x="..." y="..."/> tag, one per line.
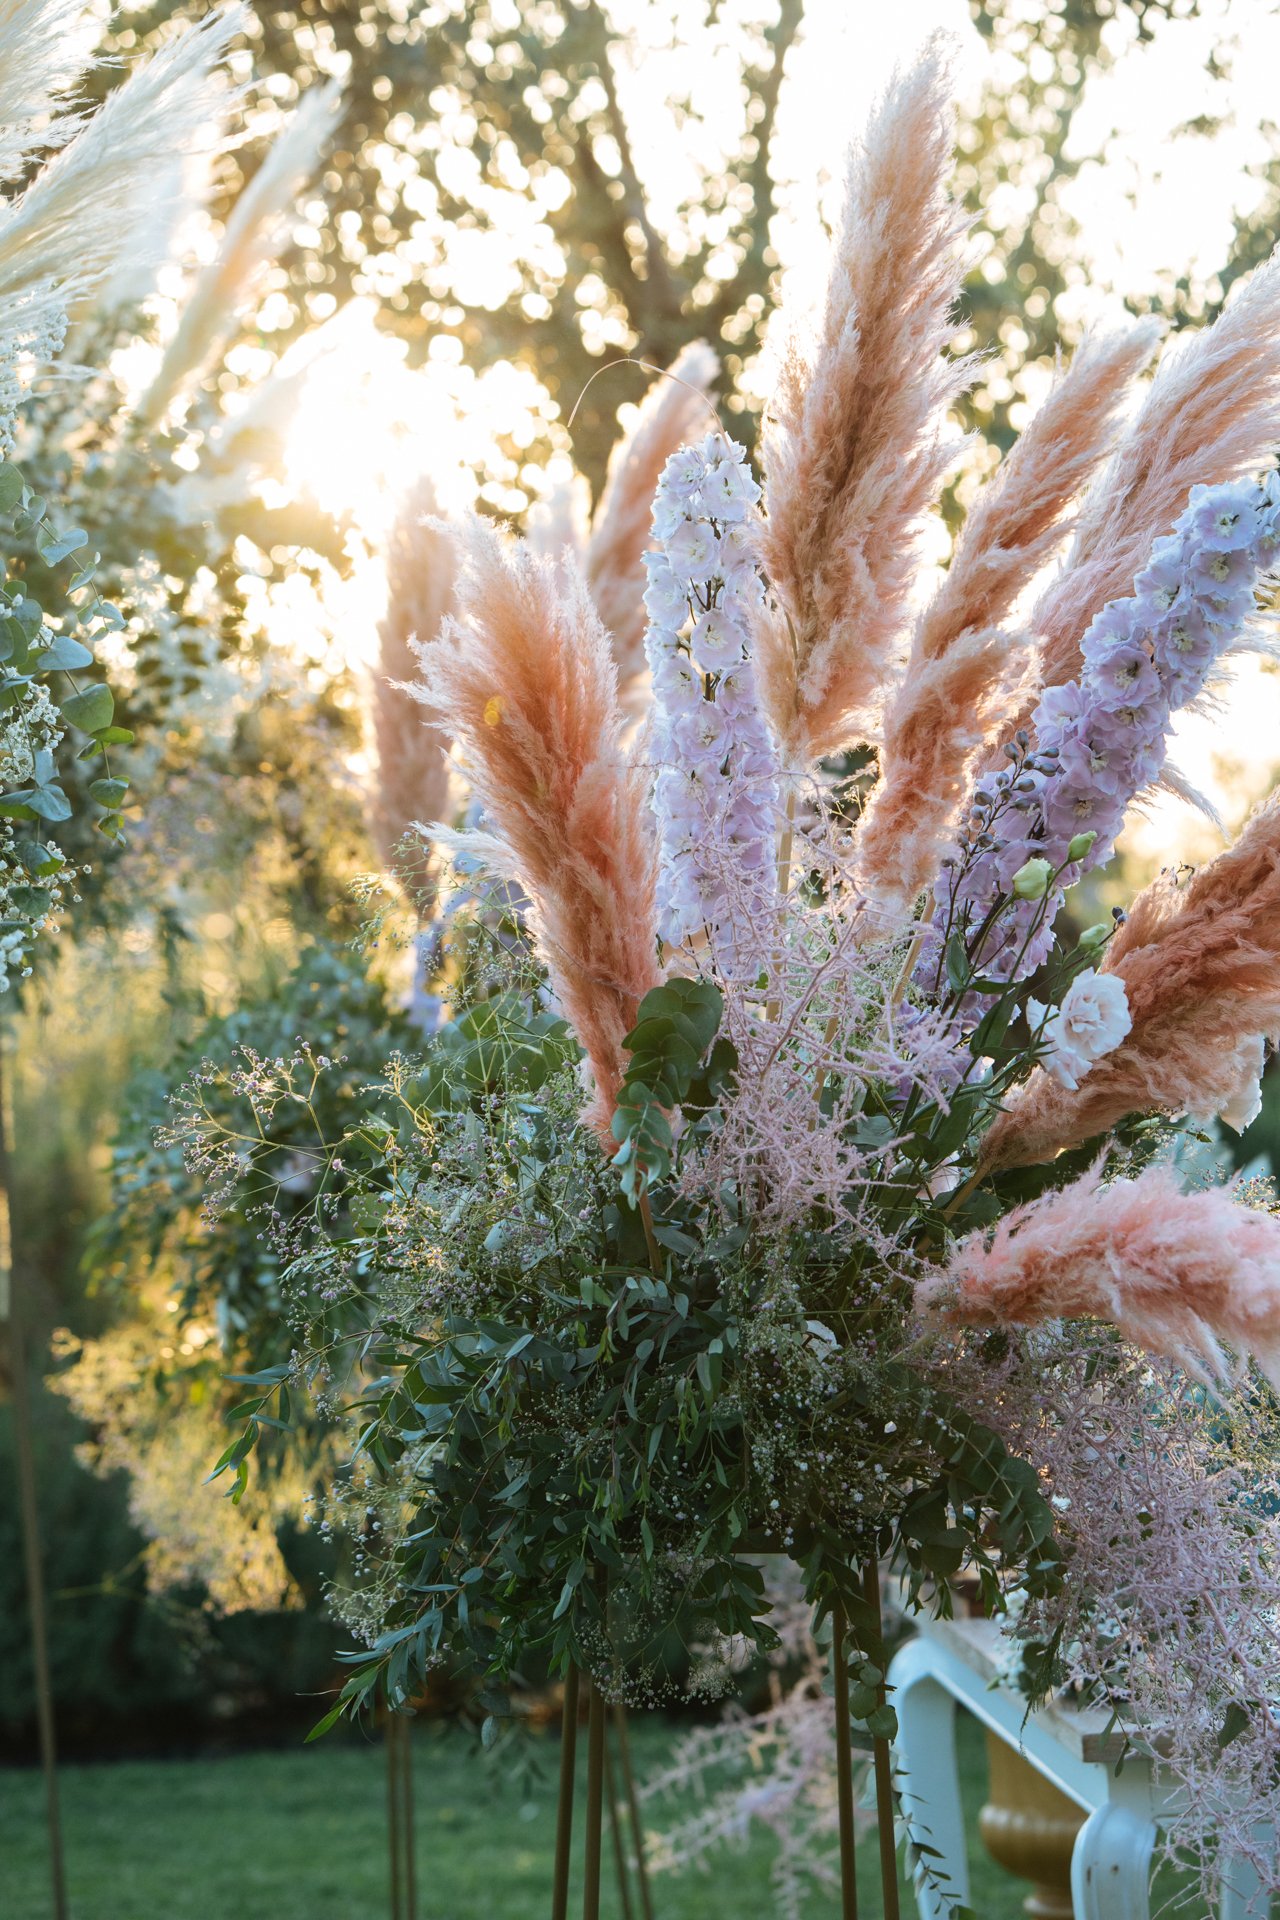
<point x="615" y="1833"/>
<point x="29" y="1508"/>
<point x="883" y="1765"/>
<point x="406" y="1818"/>
<point x="844" y="1766"/>
<point x="595" y="1805"/>
<point x="393" y="1816"/>
<point x="564" y="1801"/>
<point x="633" y="1807"/>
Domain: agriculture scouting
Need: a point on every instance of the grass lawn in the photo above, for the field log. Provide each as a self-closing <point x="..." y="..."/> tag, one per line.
<point x="301" y="1835"/>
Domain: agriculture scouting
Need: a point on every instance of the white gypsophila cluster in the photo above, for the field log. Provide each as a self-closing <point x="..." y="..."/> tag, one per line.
<point x="24" y="351"/>
<point x="716" y="791"/>
<point x="30" y="731"/>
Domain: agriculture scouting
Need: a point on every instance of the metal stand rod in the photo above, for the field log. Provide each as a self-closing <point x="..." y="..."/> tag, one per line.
<point x="615" y="1833"/>
<point x="393" y="1818"/>
<point x="633" y="1808"/>
<point x="844" y="1766"/>
<point x="564" y="1801"/>
<point x="883" y="1766"/>
<point x="406" y="1818"/>
<point x="595" y="1805"/>
<point x="29" y="1508"/>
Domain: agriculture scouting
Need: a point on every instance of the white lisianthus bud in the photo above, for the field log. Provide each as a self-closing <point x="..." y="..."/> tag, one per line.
<point x="1031" y="881"/>
<point x="1097" y="935"/>
<point x="1078" y="848"/>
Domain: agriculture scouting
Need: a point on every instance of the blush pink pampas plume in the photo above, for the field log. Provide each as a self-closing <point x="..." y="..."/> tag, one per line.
<point x="855" y="444"/>
<point x="675" y="409"/>
<point x="524" y="680"/>
<point x="1176" y="1272"/>
<point x="1212" y="414"/>
<point x="1201" y="967"/>
<point x="964" y="675"/>
<point x="413" y="756"/>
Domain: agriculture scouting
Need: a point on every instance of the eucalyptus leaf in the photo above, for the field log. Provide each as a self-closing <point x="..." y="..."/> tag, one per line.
<point x="90" y="710"/>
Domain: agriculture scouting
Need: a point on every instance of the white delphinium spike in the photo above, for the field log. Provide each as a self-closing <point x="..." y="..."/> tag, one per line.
<point x="716" y="792"/>
<point x="255" y="232"/>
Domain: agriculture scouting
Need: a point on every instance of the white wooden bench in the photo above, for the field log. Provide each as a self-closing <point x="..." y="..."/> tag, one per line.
<point x="958" y="1661"/>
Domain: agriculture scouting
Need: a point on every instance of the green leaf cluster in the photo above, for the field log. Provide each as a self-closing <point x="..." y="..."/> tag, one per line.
<point x="676" y="1061"/>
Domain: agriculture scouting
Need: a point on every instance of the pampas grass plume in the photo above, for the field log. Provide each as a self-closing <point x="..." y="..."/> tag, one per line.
<point x="675" y="409"/>
<point x="965" y="675"/>
<point x="855" y="442"/>
<point x="1201" y="967"/>
<point x="1212" y="414"/>
<point x="1176" y="1272"/>
<point x="65" y="233"/>
<point x="413" y="756"/>
<point x="524" y="680"/>
<point x="254" y="234"/>
<point x="45" y="47"/>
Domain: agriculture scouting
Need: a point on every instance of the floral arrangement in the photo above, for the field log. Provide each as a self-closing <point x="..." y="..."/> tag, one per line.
<point x="868" y="1234"/>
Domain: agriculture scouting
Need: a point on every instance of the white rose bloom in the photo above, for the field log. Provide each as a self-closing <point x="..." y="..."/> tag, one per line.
<point x="1092" y="1020"/>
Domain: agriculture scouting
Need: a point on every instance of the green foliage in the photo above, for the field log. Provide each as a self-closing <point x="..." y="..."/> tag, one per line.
<point x="674" y="1063"/>
<point x="589" y="1434"/>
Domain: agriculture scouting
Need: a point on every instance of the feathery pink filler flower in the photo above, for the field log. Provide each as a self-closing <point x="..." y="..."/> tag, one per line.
<point x="1179" y="1273"/>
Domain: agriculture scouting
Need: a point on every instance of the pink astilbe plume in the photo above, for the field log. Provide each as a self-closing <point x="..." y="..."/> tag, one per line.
<point x="1201" y="967"/>
<point x="856" y="443"/>
<point x="675" y="410"/>
<point x="524" y="680"/>
<point x="1170" y="1615"/>
<point x="964" y="674"/>
<point x="1177" y="1272"/>
<point x="1212" y="414"/>
<point x="413" y="756"/>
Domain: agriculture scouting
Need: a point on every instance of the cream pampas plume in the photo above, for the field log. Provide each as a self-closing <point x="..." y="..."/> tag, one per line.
<point x="676" y="409"/>
<point x="1176" y="1272"/>
<point x="255" y="232"/>
<point x="1212" y="414"/>
<point x="562" y="518"/>
<point x="855" y="442"/>
<point x="45" y="46"/>
<point x="524" y="680"/>
<point x="964" y="673"/>
<point x="1201" y="968"/>
<point x="413" y="756"/>
<point x="60" y="237"/>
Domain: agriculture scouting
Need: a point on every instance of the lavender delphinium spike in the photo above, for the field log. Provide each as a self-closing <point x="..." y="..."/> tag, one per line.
<point x="1099" y="740"/>
<point x="715" y="795"/>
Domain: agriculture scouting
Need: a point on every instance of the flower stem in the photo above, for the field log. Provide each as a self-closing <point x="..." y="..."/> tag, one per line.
<point x="615" y="1834"/>
<point x="633" y="1807"/>
<point x="650" y="1237"/>
<point x="844" y="1766"/>
<point x="564" y="1802"/>
<point x="883" y="1765"/>
<point x="595" y="1804"/>
<point x="773" y="1006"/>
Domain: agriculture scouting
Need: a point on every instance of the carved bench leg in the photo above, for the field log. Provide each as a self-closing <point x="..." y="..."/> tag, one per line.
<point x="925" y="1753"/>
<point x="1111" y="1865"/>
